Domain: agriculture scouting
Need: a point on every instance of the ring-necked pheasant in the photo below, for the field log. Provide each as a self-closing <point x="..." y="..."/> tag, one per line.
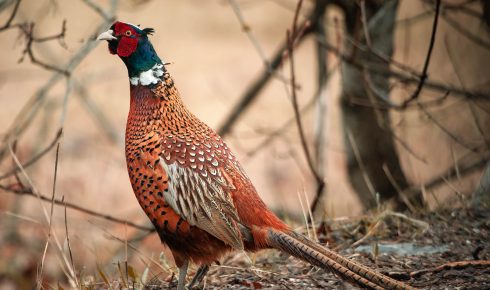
<point x="190" y="184"/>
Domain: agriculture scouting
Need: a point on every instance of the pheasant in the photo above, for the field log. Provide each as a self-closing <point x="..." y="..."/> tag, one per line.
<point x="190" y="184"/>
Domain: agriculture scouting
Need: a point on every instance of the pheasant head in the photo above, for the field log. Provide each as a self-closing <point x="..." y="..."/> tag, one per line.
<point x="132" y="45"/>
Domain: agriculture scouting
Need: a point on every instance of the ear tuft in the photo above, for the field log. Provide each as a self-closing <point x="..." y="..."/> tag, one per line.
<point x="148" y="31"/>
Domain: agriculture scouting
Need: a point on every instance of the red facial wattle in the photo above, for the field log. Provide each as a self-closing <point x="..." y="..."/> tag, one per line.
<point x="127" y="46"/>
<point x="128" y="39"/>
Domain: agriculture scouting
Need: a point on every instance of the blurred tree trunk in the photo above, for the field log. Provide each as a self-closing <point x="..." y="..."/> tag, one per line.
<point x="481" y="196"/>
<point x="486" y="12"/>
<point x="368" y="137"/>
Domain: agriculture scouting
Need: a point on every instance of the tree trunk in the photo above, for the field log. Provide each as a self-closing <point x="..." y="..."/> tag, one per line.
<point x="373" y="163"/>
<point x="481" y="196"/>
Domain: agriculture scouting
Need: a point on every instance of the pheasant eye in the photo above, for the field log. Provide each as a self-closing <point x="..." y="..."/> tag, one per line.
<point x="128" y="33"/>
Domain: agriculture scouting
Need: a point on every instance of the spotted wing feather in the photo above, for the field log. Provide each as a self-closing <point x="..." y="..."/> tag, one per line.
<point x="199" y="188"/>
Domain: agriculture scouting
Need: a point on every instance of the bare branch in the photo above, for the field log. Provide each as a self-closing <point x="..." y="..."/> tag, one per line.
<point x="50" y="222"/>
<point x="68" y="244"/>
<point x="359" y="160"/>
<point x="29" y="192"/>
<point x="107" y="16"/>
<point x="35" y="158"/>
<point x="374" y="52"/>
<point x="365" y="23"/>
<point x="401" y="194"/>
<point x="467" y="33"/>
<point x="248" y="30"/>
<point x="445" y="130"/>
<point x="321" y="106"/>
<point x="407" y="148"/>
<point x="8" y="23"/>
<point x="105" y="124"/>
<point x="28" y="31"/>
<point x="471" y="167"/>
<point x="470" y="102"/>
<point x="280" y="130"/>
<point x="423" y="77"/>
<point x="256" y="87"/>
<point x="403" y="77"/>
<point x="373" y="90"/>
<point x="292" y="35"/>
<point x="32" y="107"/>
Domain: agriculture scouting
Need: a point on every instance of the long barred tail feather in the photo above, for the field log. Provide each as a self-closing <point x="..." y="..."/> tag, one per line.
<point x="367" y="273"/>
<point x="312" y="252"/>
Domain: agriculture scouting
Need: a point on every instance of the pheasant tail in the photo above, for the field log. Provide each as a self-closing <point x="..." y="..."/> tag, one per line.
<point x="303" y="248"/>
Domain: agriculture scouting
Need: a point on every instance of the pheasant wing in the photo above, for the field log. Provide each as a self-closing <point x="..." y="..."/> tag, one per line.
<point x="199" y="186"/>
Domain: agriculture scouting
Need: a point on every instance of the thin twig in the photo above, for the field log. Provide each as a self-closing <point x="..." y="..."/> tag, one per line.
<point x="373" y="90"/>
<point x="50" y="225"/>
<point x="452" y="265"/>
<point x="365" y="23"/>
<point x="311" y="218"/>
<point x="32" y="107"/>
<point x="380" y="56"/>
<point x="399" y="190"/>
<point x="35" y="192"/>
<point x="68" y="242"/>
<point x="280" y="130"/>
<point x="423" y="77"/>
<point x="30" y="192"/>
<point x="407" y="147"/>
<point x="105" y="124"/>
<point x="448" y="175"/>
<point x="470" y="102"/>
<point x="35" y="158"/>
<point x="303" y="210"/>
<point x="436" y="102"/>
<point x="134" y="248"/>
<point x="465" y="32"/>
<point x="402" y="77"/>
<point x="320" y="124"/>
<point x="107" y="16"/>
<point x="291" y="36"/>
<point x="411" y="20"/>
<point x="28" y="31"/>
<point x="372" y="230"/>
<point x="264" y="77"/>
<point x="248" y="30"/>
<point x="8" y="23"/>
<point x="446" y="131"/>
<point x="66" y="95"/>
<point x="357" y="154"/>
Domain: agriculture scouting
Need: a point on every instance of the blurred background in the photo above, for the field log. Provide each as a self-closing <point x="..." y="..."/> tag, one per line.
<point x="394" y="109"/>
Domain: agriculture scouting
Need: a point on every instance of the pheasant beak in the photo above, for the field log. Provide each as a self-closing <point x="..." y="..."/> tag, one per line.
<point x="107" y="35"/>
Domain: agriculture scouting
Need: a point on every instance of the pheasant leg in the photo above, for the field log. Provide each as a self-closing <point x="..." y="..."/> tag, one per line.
<point x="182" y="274"/>
<point x="200" y="274"/>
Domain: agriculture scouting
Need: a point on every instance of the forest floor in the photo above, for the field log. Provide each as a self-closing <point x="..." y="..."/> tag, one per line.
<point x="438" y="250"/>
<point x="443" y="250"/>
